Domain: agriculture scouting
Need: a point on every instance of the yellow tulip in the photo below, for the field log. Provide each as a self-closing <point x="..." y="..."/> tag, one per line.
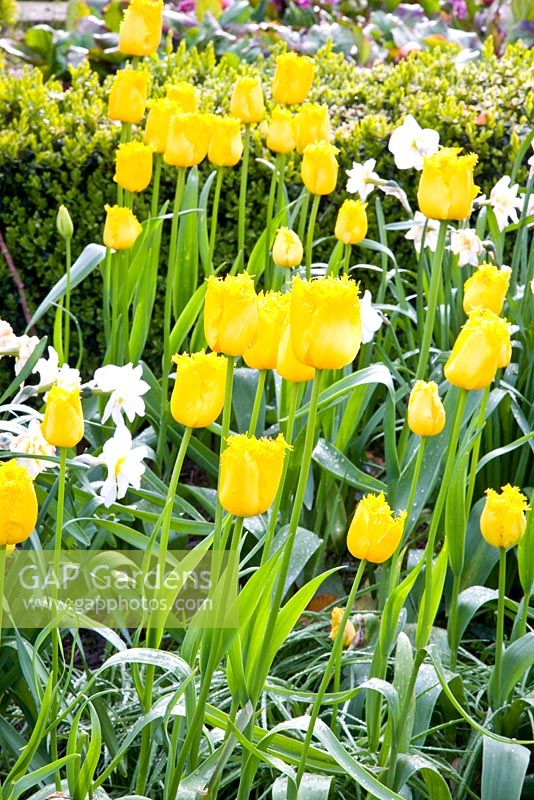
<point x="479" y="350"/>
<point x="375" y="532"/>
<point x="198" y="394"/>
<point x="281" y="136"/>
<point x="121" y="228"/>
<point x="486" y="288"/>
<point x="349" y="633"/>
<point x="231" y="314"/>
<point x="18" y="504"/>
<point x="446" y="188"/>
<point x="246" y="102"/>
<point x="63" y="424"/>
<point x="250" y="474"/>
<point x="273" y="311"/>
<point x="226" y="146"/>
<point x="140" y="30"/>
<point x="503" y="521"/>
<point x="319" y="168"/>
<point x="157" y="123"/>
<point x="426" y="415"/>
<point x="351" y="222"/>
<point x="312" y="125"/>
<point x="293" y="78"/>
<point x="184" y="95"/>
<point x="287" y="248"/>
<point x="128" y="95"/>
<point x="287" y="365"/>
<point x="188" y="139"/>
<point x="10" y="548"/>
<point x="133" y="167"/>
<point x="326" y="326"/>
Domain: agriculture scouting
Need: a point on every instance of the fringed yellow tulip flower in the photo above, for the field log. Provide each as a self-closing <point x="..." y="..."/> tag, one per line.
<point x="446" y="188"/>
<point x="503" y="521"/>
<point x="63" y="424"/>
<point x="226" y="145"/>
<point x="247" y="102"/>
<point x="18" y="504"/>
<point x="231" y="314"/>
<point x="349" y="633"/>
<point x="312" y="125"/>
<point x="133" y="167"/>
<point x="426" y="415"/>
<point x="273" y="312"/>
<point x="351" y="222"/>
<point x="251" y="470"/>
<point x="128" y="95"/>
<point x="293" y="78"/>
<point x="288" y="366"/>
<point x="198" y="395"/>
<point x="319" y="168"/>
<point x="140" y="30"/>
<point x="483" y="345"/>
<point x="158" y="121"/>
<point x="375" y="532"/>
<point x="326" y="327"/>
<point x="486" y="288"/>
<point x="281" y="136"/>
<point x="188" y="139"/>
<point x="287" y="249"/>
<point x="185" y="95"/>
<point x="121" y="228"/>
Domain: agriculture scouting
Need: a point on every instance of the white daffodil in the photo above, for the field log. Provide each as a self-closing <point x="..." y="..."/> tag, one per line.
<point x="32" y="442"/>
<point x="68" y="378"/>
<point x="124" y="464"/>
<point x="415" y="233"/>
<point x="361" y="178"/>
<point x="48" y="368"/>
<point x="27" y="345"/>
<point x="410" y="144"/>
<point x="466" y="244"/>
<point x="126" y="388"/>
<point x="9" y="343"/>
<point x="504" y="201"/>
<point x="371" y="318"/>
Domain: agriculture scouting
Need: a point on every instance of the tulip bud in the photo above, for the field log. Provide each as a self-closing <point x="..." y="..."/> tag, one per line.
<point x="375" y="533"/>
<point x="287" y="365"/>
<point x="157" y="123"/>
<point x="63" y="424"/>
<point x="140" y="29"/>
<point x="133" y="167"/>
<point x="446" y="188"/>
<point x="287" y="248"/>
<point x="184" y="95"/>
<point x="486" y="288"/>
<point x="350" y="631"/>
<point x="426" y="415"/>
<point x="246" y="102"/>
<point x="503" y="521"/>
<point x="198" y="394"/>
<point x="188" y="139"/>
<point x="481" y="347"/>
<point x="351" y="223"/>
<point x="319" y="168"/>
<point x="128" y="96"/>
<point x="121" y="229"/>
<point x="326" y="327"/>
<point x="250" y="474"/>
<point x="312" y="125"/>
<point x="273" y="311"/>
<point x="226" y="146"/>
<point x="281" y="131"/>
<point x="18" y="504"/>
<point x="231" y="314"/>
<point x="64" y="223"/>
<point x="293" y="78"/>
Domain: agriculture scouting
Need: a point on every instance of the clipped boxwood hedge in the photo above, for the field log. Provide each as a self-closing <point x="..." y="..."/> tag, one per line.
<point x="56" y="145"/>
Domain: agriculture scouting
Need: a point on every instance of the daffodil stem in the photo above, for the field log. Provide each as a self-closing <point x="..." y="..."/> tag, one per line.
<point x="309" y="236"/>
<point x="268" y="226"/>
<point x="499" y="639"/>
<point x="215" y="213"/>
<point x="476" y="449"/>
<point x="243" y="196"/>
<point x="257" y="402"/>
<point x="332" y="665"/>
<point x="435" y="282"/>
<point x="66" y="341"/>
<point x="55" y="632"/>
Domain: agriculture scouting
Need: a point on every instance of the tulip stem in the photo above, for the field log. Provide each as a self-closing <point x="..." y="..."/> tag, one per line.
<point x="270" y="210"/>
<point x="281" y="169"/>
<point x="215" y="213"/>
<point x="499" y="639"/>
<point x="346" y="262"/>
<point x="243" y="196"/>
<point x="107" y="296"/>
<point x="332" y="665"/>
<point x="66" y="340"/>
<point x="435" y="282"/>
<point x="3" y="552"/>
<point x="257" y="402"/>
<point x="225" y="429"/>
<point x="303" y="214"/>
<point x="476" y="449"/>
<point x="155" y="188"/>
<point x="125" y="258"/>
<point x="309" y="235"/>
